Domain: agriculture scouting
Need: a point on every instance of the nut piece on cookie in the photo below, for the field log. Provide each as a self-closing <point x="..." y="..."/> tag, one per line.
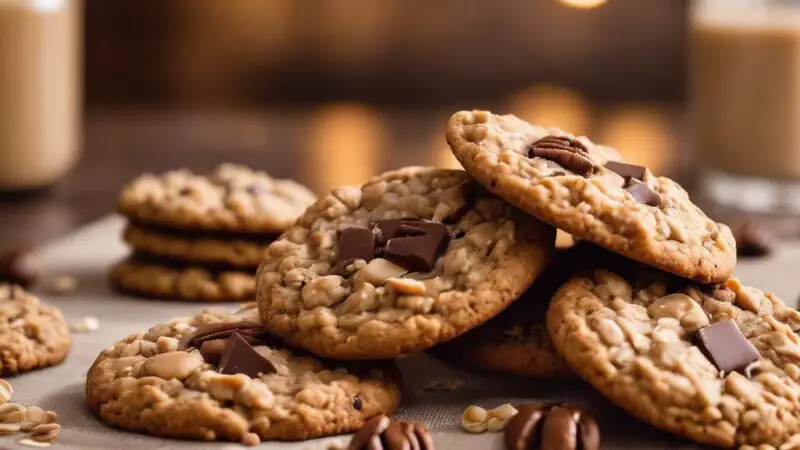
<point x="538" y="425"/>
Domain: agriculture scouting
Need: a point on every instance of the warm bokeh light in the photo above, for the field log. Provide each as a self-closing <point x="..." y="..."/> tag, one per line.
<point x="344" y="147"/>
<point x="583" y="4"/>
<point x="640" y="133"/>
<point x="441" y="154"/>
<point x="549" y="106"/>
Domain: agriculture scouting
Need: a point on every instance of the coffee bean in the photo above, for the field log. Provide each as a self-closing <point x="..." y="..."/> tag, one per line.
<point x="20" y="266"/>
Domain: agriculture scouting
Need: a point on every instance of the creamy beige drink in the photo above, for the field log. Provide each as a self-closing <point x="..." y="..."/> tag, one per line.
<point x="39" y="91"/>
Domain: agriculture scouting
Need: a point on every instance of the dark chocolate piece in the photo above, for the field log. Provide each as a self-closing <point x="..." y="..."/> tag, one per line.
<point x="241" y="357"/>
<point x="754" y="239"/>
<point x="569" y="153"/>
<point x="725" y="346"/>
<point x="541" y="426"/>
<point x="641" y="193"/>
<point x="626" y="170"/>
<point x="389" y="228"/>
<point x="252" y="332"/>
<point x="358" y="404"/>
<point x="212" y="350"/>
<point x="419" y="245"/>
<point x="355" y="243"/>
<point x="20" y="266"/>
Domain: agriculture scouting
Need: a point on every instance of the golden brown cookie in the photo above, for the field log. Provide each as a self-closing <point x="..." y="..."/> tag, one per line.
<point x="215" y="377"/>
<point x="412" y="258"/>
<point x="584" y="189"/>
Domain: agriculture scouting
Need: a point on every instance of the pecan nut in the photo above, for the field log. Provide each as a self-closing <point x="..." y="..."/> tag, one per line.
<point x="382" y="433"/>
<point x="571" y="154"/>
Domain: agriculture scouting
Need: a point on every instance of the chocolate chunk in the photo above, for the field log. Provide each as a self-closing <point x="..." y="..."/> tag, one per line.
<point x="20" y="266"/>
<point x="358" y="404"/>
<point x="252" y="332"/>
<point x="389" y="228"/>
<point x="725" y="346"/>
<point x="419" y="245"/>
<point x="627" y="170"/>
<point x="754" y="239"/>
<point x="241" y="357"/>
<point x="641" y="193"/>
<point x="569" y="153"/>
<point x="381" y="433"/>
<point x="212" y="350"/>
<point x="540" y="426"/>
<point x="355" y="243"/>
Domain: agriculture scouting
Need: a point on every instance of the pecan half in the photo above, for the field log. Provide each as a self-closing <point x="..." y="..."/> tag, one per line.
<point x="571" y="154"/>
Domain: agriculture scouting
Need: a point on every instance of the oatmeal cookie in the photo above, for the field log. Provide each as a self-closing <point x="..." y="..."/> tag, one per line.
<point x="716" y="364"/>
<point x="232" y="199"/>
<point x="412" y="258"/>
<point x="32" y="335"/>
<point x="586" y="190"/>
<point x="159" y="278"/>
<point x="216" y="377"/>
<point x="243" y="252"/>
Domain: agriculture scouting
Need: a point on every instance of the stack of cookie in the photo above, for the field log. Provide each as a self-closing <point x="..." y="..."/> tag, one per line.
<point x="464" y="263"/>
<point x="201" y="238"/>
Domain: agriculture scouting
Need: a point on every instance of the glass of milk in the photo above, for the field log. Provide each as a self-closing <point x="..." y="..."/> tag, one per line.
<point x="39" y="91"/>
<point x="745" y="102"/>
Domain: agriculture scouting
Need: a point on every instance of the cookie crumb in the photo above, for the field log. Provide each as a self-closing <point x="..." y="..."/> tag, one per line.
<point x="62" y="285"/>
<point x="86" y="325"/>
<point x="251" y="439"/>
<point x="444" y="384"/>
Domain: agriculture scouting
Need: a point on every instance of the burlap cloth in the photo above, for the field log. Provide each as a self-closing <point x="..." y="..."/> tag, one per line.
<point x="87" y="253"/>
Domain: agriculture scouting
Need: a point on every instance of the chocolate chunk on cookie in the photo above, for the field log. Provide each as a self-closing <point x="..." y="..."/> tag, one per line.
<point x="159" y="382"/>
<point x="32" y="335"/>
<point x="716" y="364"/>
<point x="430" y="279"/>
<point x="586" y="190"/>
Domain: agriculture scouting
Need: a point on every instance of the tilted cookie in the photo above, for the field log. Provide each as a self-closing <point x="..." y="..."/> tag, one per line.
<point x="516" y="341"/>
<point x="717" y="364"/>
<point x="414" y="257"/>
<point x="32" y="335"/>
<point x="232" y="199"/>
<point x="585" y="190"/>
<point x="155" y="278"/>
<point x="216" y="377"/>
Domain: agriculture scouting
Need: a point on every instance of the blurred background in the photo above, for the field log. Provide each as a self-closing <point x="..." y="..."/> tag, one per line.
<point x="328" y="92"/>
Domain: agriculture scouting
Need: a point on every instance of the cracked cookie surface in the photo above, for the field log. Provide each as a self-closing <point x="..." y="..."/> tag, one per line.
<point x="153" y="278"/>
<point x="155" y="382"/>
<point x="631" y="334"/>
<point x="232" y="198"/>
<point x="376" y="309"/>
<point x="568" y="184"/>
<point x="32" y="335"/>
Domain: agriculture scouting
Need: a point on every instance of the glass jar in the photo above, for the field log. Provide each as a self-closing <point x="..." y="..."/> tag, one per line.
<point x="39" y="91"/>
<point x="745" y="102"/>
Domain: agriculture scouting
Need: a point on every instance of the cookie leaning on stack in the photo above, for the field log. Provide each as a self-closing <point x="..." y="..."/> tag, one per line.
<point x="201" y="238"/>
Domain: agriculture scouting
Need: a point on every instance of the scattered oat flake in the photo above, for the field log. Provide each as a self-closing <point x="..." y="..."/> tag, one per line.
<point x="88" y="324"/>
<point x="444" y="384"/>
<point x="31" y="443"/>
